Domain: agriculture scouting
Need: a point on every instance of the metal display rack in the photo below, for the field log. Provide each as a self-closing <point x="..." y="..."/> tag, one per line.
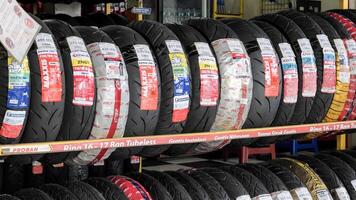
<point x="80" y="145"/>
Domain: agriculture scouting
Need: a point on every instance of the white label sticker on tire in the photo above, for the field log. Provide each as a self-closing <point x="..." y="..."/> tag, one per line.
<point x="262" y="197"/>
<point x="353" y="183"/>
<point x="323" y="195"/>
<point x="344" y="71"/>
<point x="329" y="71"/>
<point x="303" y="193"/>
<point x="309" y="75"/>
<point x="281" y="195"/>
<point x="342" y="193"/>
<point x="243" y="197"/>
<point x="286" y="50"/>
<point x="290" y="80"/>
<point x="203" y="49"/>
<point x="305" y="46"/>
<point x="323" y="41"/>
<point x="265" y="46"/>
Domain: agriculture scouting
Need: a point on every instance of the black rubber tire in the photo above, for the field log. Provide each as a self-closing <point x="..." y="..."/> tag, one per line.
<point x="14" y="177"/>
<point x="58" y="192"/>
<point x="131" y="188"/>
<point x="45" y="118"/>
<point x="230" y="184"/>
<point x="290" y="180"/>
<point x="292" y="32"/>
<point x="285" y="110"/>
<point x="345" y="173"/>
<point x="66" y="18"/>
<point x="101" y="19"/>
<point x="139" y="122"/>
<point x="328" y="176"/>
<point x="195" y="190"/>
<point x="214" y="30"/>
<point x="200" y="118"/>
<point x="156" y="34"/>
<point x="109" y="190"/>
<point x="79" y="119"/>
<point x="351" y="161"/>
<point x="119" y="19"/>
<point x="210" y="185"/>
<point x="8" y="197"/>
<point x="152" y="185"/>
<point x="250" y="182"/>
<point x="85" y="21"/>
<point x="268" y="178"/>
<point x="84" y="191"/>
<point x="350" y="152"/>
<point x="261" y="105"/>
<point x="306" y="174"/>
<point x="175" y="189"/>
<point x="322" y="101"/>
<point x="32" y="194"/>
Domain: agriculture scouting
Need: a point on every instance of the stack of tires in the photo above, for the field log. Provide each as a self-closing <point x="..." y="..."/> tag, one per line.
<point x="145" y="78"/>
<point x="326" y="175"/>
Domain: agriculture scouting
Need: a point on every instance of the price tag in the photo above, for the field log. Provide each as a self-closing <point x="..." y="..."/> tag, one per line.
<point x="17" y="29"/>
<point x="286" y="50"/>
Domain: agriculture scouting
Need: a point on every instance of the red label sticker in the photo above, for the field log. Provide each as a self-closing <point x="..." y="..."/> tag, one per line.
<point x="83" y="81"/>
<point x="179" y="115"/>
<point x="149" y="87"/>
<point x="50" y="77"/>
<point x="309" y="75"/>
<point x="290" y="80"/>
<point x="12" y="124"/>
<point x="329" y="71"/>
<point x="271" y="75"/>
<point x="209" y="81"/>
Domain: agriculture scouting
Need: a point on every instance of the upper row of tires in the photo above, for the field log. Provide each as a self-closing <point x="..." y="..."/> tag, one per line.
<point x="148" y="78"/>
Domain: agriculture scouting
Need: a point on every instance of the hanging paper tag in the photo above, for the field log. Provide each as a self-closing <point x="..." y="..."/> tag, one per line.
<point x="181" y="80"/>
<point x="329" y="71"/>
<point x="324" y="41"/>
<point x="18" y="94"/>
<point x="270" y="64"/>
<point x="83" y="75"/>
<point x="309" y="75"/>
<point x="303" y="193"/>
<point x="344" y="71"/>
<point x="12" y="123"/>
<point x="51" y="77"/>
<point x="17" y="29"/>
<point x="323" y="195"/>
<point x="286" y="50"/>
<point x="290" y="80"/>
<point x="209" y="77"/>
<point x="148" y="77"/>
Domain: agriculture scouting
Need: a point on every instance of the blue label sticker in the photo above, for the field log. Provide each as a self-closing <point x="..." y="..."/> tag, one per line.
<point x="18" y="95"/>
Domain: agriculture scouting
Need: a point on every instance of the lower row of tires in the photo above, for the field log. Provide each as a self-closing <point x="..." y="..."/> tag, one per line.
<point x="148" y="78"/>
<point x="324" y="176"/>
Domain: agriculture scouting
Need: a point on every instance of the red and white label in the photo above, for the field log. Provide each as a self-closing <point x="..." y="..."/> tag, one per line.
<point x="12" y="124"/>
<point x="270" y="64"/>
<point x="83" y="74"/>
<point x="51" y="77"/>
<point x="309" y="68"/>
<point x="329" y="71"/>
<point x="148" y="77"/>
<point x="209" y="75"/>
<point x="290" y="80"/>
